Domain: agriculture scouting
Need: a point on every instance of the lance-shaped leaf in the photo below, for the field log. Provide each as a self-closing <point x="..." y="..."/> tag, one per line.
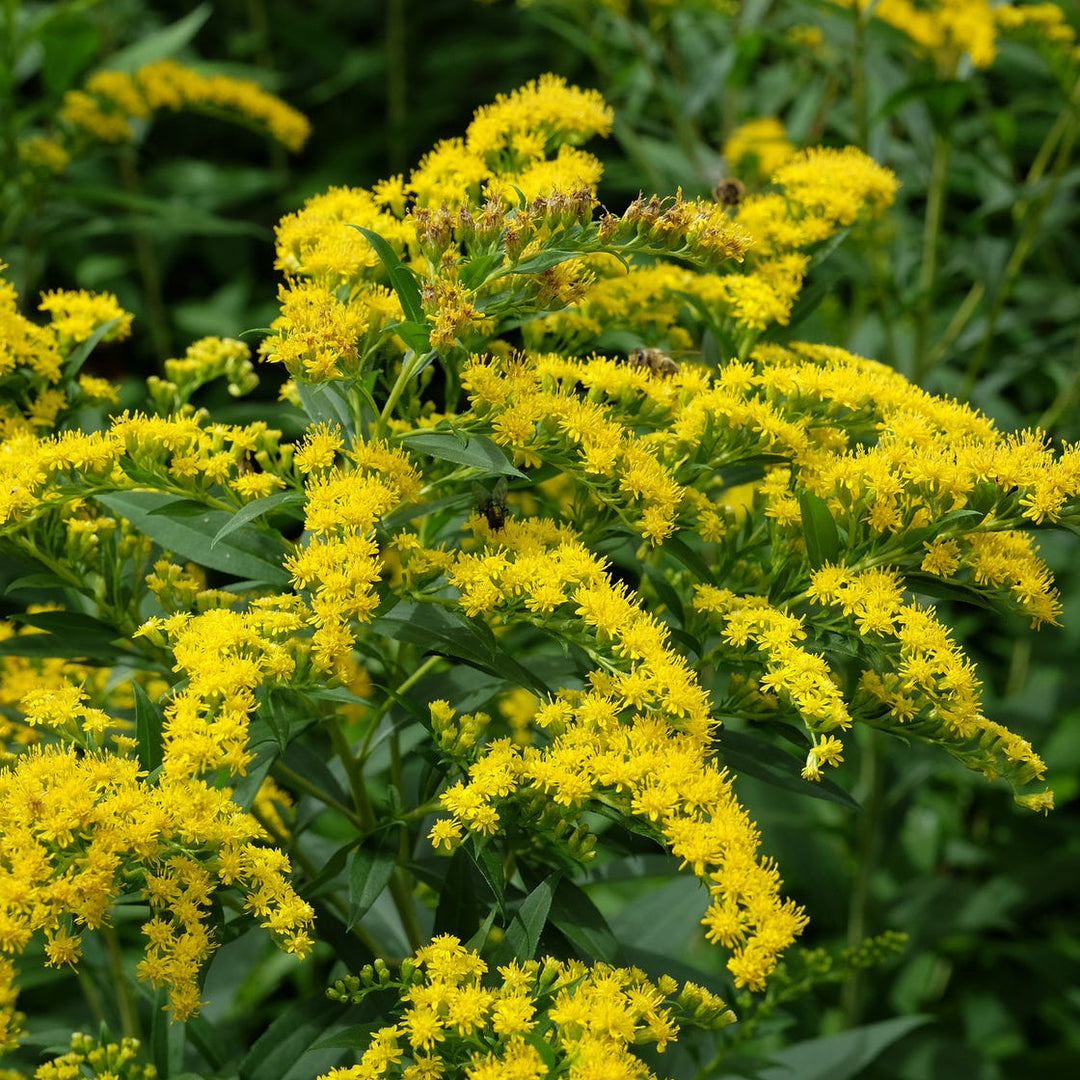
<point x="449" y="633"/>
<point x="476" y="450"/>
<point x="822" y="539"/>
<point x="168" y="521"/>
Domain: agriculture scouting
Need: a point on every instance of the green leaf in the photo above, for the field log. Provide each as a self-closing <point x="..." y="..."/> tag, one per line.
<point x="247" y="553"/>
<point x="523" y="933"/>
<point x="932" y="585"/>
<point x="662" y="916"/>
<point x="246" y="787"/>
<point x="463" y="896"/>
<point x="417" y="336"/>
<point x="750" y="468"/>
<point x="449" y="633"/>
<point x="328" y="873"/>
<point x="395" y="520"/>
<point x="165" y="216"/>
<point x="370" y="870"/>
<point x="148" y="724"/>
<point x="79" y="354"/>
<point x="667" y="594"/>
<point x="943" y="99"/>
<point x="822" y="539"/>
<point x="580" y="922"/>
<point x="165" y="42"/>
<point x="488" y="861"/>
<point x="474" y="272"/>
<point x="913" y="538"/>
<point x="289" y="1037"/>
<point x="689" y="558"/>
<point x="758" y="758"/>
<point x="325" y="403"/>
<point x="402" y="279"/>
<point x="69" y="634"/>
<point x="67" y="625"/>
<point x="256" y="509"/>
<point x="45" y="645"/>
<point x="476" y="450"/>
<point x="43" y="580"/>
<point x="544" y="260"/>
<point x="354" y="1037"/>
<point x="839" y="1057"/>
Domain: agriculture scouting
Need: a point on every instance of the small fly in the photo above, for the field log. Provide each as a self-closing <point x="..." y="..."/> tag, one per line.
<point x="492" y="504"/>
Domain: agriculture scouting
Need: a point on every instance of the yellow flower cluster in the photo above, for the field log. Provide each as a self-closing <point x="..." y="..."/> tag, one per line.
<point x="534" y="411"/>
<point x="90" y="1058"/>
<point x="31" y="356"/>
<point x="204" y="360"/>
<point x="78" y="828"/>
<point x="949" y="29"/>
<point x="484" y="211"/>
<point x="226" y="655"/>
<point x="790" y="670"/>
<point x="932" y="689"/>
<point x="340" y="565"/>
<point x="637" y="738"/>
<point x="38" y="475"/>
<point x="541" y="115"/>
<point x="105" y="109"/>
<point x="886" y="459"/>
<point x="43" y="153"/>
<point x="822" y="191"/>
<point x="760" y="146"/>
<point x="541" y="1018"/>
<point x="807" y="499"/>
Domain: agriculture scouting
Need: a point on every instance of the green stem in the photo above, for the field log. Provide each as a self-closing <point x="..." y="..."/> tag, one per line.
<point x="129" y="1019"/>
<point x="935" y="215"/>
<point x="401" y="883"/>
<point x="402" y="894"/>
<point x="961" y="317"/>
<point x="421" y="811"/>
<point x="867" y="848"/>
<point x="354" y="772"/>
<point x="300" y="782"/>
<point x="409" y="365"/>
<point x="1065" y="120"/>
<point x="388" y="701"/>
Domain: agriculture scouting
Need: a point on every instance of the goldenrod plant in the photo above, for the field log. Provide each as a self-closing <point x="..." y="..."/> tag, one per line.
<point x="567" y="537"/>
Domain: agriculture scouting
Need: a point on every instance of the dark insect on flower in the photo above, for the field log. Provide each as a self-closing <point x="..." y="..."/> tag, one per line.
<point x="655" y="360"/>
<point x="729" y="192"/>
<point x="492" y="504"/>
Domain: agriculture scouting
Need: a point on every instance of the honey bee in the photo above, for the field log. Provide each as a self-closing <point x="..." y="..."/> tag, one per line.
<point x="655" y="360"/>
<point x="492" y="504"/>
<point x="729" y="192"/>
